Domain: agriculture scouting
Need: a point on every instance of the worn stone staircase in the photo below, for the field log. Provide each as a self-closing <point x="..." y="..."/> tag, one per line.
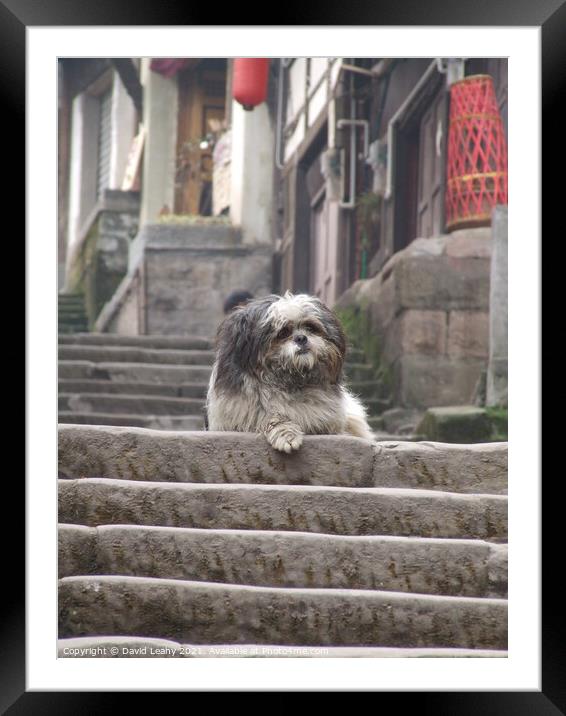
<point x="158" y="382"/>
<point x="213" y="544"/>
<point x="71" y="313"/>
<point x="143" y="381"/>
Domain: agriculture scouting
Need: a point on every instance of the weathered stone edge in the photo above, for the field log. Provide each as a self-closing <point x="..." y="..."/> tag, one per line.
<point x="93" y="550"/>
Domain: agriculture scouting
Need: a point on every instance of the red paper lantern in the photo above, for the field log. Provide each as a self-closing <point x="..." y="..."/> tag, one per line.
<point x="477" y="154"/>
<point x="249" y="82"/>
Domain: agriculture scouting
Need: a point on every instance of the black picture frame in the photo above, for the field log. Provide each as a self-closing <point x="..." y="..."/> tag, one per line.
<point x="550" y="15"/>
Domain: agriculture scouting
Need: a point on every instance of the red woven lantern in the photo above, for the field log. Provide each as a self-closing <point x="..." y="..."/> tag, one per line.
<point x="477" y="154"/>
<point x="249" y="82"/>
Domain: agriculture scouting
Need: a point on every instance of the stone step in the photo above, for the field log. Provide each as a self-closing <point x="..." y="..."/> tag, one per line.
<point x="203" y="235"/>
<point x="155" y="422"/>
<point x="70" y="328"/>
<point x="130" y="404"/>
<point x="376" y="406"/>
<point x="323" y="460"/>
<point x="181" y="390"/>
<point x="66" y="315"/>
<point x="295" y="508"/>
<point x="70" y="299"/>
<point x="470" y="568"/>
<point x="383" y="437"/>
<point x="147" y="372"/>
<point x="142" y="647"/>
<point x="208" y="613"/>
<point x="368" y="389"/>
<point x="375" y="422"/>
<point x="152" y="341"/>
<point x="355" y="355"/>
<point x="356" y="372"/>
<point x="134" y="372"/>
<point x="128" y="354"/>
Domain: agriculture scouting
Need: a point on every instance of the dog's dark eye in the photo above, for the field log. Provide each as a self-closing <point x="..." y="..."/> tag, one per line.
<point x="312" y="327"/>
<point x="285" y="332"/>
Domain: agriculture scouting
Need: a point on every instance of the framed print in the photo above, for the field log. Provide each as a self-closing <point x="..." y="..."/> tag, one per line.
<point x="402" y="170"/>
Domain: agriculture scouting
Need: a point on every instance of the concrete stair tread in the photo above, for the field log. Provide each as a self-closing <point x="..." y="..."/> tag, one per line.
<point x="376" y="406"/>
<point x="98" y="386"/>
<point x="216" y="541"/>
<point x="156" y="422"/>
<point x="355" y="355"/>
<point x="129" y="354"/>
<point x="332" y="510"/>
<point x="131" y="646"/>
<point x="201" y="235"/>
<point x="69" y="315"/>
<point x="368" y="388"/>
<point x="207" y="612"/>
<point x="278" y="558"/>
<point x="391" y="437"/>
<point x="245" y="458"/>
<point x="133" y="372"/>
<point x="149" y="341"/>
<point x="355" y="372"/>
<point x="131" y="404"/>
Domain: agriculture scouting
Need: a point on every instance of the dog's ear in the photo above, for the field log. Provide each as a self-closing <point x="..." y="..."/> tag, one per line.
<point x="334" y="329"/>
<point x="336" y="339"/>
<point x="239" y="342"/>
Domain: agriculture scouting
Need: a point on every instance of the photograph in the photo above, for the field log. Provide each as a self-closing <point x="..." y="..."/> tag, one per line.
<point x="282" y="360"/>
<point x="283" y="367"/>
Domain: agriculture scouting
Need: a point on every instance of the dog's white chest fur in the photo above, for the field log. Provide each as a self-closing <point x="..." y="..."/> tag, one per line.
<point x="314" y="410"/>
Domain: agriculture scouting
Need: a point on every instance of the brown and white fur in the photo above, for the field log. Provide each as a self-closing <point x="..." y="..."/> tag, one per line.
<point x="278" y="371"/>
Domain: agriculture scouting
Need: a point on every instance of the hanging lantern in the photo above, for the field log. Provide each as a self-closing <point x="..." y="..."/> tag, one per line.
<point x="249" y="83"/>
<point x="477" y="154"/>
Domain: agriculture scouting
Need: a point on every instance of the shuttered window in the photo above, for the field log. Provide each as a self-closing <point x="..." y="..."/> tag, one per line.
<point x="104" y="140"/>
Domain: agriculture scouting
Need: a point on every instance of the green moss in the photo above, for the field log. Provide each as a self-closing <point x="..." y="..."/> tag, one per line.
<point x="81" y="276"/>
<point x="359" y="332"/>
<point x="194" y="220"/>
<point x="90" y="275"/>
<point x="498" y="417"/>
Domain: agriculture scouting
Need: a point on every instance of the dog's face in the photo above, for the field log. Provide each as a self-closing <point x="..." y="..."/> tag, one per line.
<point x="290" y="340"/>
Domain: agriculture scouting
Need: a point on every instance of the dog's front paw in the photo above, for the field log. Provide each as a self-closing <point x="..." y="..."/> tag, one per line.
<point x="284" y="437"/>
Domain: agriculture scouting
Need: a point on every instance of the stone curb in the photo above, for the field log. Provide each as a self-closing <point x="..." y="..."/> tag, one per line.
<point x="342" y="461"/>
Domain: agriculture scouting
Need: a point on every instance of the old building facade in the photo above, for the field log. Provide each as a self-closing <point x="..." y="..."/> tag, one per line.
<point x="171" y="194"/>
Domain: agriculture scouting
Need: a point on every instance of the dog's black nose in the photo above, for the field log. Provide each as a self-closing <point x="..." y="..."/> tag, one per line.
<point x="300" y="339"/>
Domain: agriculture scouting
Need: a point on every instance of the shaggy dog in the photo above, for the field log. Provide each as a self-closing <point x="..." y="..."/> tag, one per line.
<point x="278" y="371"/>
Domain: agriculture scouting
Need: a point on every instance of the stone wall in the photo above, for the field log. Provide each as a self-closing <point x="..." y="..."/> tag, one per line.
<point x="100" y="260"/>
<point x="182" y="275"/>
<point x="497" y="368"/>
<point x="424" y="319"/>
<point x="121" y="315"/>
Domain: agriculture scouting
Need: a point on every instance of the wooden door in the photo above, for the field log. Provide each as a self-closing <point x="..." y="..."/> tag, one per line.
<point x="202" y="104"/>
<point x="432" y="136"/>
<point x="322" y="253"/>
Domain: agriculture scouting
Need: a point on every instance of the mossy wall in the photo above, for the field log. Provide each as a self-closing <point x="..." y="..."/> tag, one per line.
<point x="356" y="321"/>
<point x="101" y="262"/>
